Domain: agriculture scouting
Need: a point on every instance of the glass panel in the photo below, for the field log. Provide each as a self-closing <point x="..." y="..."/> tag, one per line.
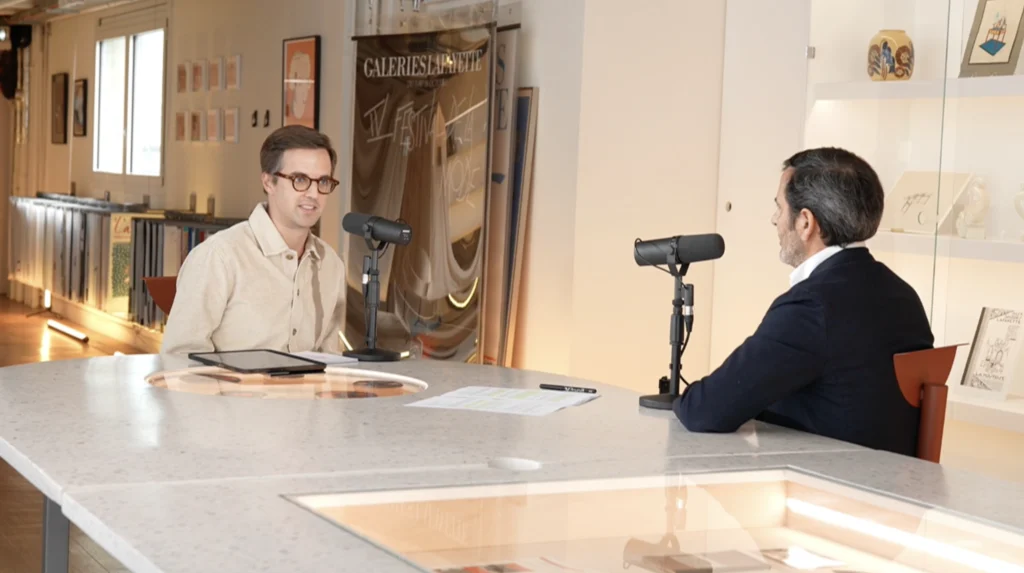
<point x="147" y="103"/>
<point x="110" y="98"/>
<point x="744" y="521"/>
<point x="980" y="262"/>
<point x="876" y="88"/>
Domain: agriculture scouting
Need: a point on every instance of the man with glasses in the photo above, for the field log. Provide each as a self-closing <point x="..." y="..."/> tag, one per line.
<point x="268" y="282"/>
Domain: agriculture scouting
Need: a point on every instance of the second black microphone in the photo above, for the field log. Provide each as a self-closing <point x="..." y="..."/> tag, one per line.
<point x="381" y="229"/>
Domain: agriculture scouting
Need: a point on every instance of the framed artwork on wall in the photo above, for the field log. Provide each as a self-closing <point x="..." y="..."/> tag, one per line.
<point x="80" y="113"/>
<point x="231" y="125"/>
<point x="993" y="46"/>
<point x="995" y="358"/>
<point x="199" y="76"/>
<point x="216" y="74"/>
<point x="59" y="109"/>
<point x="182" y="77"/>
<point x="197" y="126"/>
<point x="301" y="86"/>
<point x="233" y="73"/>
<point x="213" y="120"/>
<point x="180" y="126"/>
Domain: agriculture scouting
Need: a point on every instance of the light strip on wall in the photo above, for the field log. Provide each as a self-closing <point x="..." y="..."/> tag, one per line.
<point x="344" y="341"/>
<point x="67" y="330"/>
<point x="47" y="299"/>
<point x="964" y="557"/>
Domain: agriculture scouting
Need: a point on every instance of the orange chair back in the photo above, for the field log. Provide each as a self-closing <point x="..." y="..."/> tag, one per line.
<point x="162" y="290"/>
<point x="922" y="377"/>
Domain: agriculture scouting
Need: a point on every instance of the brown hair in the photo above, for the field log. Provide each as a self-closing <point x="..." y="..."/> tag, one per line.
<point x="293" y="137"/>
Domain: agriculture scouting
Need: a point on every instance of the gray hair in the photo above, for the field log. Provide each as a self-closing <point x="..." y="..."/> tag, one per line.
<point x="840" y="189"/>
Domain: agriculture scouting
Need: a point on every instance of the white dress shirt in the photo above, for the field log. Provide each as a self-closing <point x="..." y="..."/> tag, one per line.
<point x="805" y="269"/>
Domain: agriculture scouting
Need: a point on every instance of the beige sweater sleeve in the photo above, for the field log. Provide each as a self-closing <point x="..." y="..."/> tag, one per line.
<point x="203" y="287"/>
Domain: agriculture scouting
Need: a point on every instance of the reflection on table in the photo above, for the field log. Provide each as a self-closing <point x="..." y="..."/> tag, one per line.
<point x="776" y="521"/>
<point x="332" y="384"/>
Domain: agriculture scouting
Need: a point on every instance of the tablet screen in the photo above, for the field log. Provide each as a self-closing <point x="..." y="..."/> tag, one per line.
<point x="255" y="360"/>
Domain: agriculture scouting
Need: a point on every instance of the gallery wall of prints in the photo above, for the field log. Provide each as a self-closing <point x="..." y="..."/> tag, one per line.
<point x="433" y="147"/>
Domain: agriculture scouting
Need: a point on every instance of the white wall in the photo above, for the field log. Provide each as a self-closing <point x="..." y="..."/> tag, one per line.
<point x="627" y="146"/>
<point x="648" y="168"/>
<point x="551" y="53"/>
<point x="199" y="29"/>
<point x="229" y="172"/>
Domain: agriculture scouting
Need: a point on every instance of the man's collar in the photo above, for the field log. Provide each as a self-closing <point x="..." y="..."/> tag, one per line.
<point x="270" y="240"/>
<point x="802" y="272"/>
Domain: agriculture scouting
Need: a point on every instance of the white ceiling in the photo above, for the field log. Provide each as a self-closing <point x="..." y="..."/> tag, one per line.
<point x="8" y="7"/>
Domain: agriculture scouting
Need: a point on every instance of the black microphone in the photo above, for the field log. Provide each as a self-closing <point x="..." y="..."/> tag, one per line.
<point x="380" y="229"/>
<point x="679" y="250"/>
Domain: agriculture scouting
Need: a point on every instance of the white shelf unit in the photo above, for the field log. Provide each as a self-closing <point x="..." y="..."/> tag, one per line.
<point x="953" y="88"/>
<point x="946" y="246"/>
<point x="1005" y="415"/>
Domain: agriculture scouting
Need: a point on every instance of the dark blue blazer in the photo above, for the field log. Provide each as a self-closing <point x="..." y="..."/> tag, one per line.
<point x="821" y="360"/>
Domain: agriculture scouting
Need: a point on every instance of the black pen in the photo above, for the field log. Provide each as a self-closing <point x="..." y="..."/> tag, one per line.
<point x="561" y="388"/>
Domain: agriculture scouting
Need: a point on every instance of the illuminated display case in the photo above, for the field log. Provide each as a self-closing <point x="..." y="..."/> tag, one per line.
<point x="771" y="521"/>
<point x="931" y="94"/>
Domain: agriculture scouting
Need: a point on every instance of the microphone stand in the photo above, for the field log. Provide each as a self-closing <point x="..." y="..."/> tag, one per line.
<point x="682" y="319"/>
<point x="371" y="295"/>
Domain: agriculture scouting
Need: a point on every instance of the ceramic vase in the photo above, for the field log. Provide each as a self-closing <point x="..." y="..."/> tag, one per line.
<point x="891" y="56"/>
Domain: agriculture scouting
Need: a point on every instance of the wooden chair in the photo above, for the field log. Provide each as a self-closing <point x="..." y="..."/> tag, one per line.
<point x="162" y="290"/>
<point x="922" y="377"/>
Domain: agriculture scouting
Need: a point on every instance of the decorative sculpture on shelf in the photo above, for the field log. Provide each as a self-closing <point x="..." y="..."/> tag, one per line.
<point x="891" y="56"/>
<point x="970" y="223"/>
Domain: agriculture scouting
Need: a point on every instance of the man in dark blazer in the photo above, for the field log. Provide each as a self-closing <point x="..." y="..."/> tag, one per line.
<point x="821" y="360"/>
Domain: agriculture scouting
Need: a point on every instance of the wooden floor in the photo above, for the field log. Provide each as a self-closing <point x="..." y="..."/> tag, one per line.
<point x="25" y="340"/>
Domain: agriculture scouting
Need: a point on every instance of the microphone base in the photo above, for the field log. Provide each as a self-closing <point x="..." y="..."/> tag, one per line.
<point x="373" y="355"/>
<point x="658" y="401"/>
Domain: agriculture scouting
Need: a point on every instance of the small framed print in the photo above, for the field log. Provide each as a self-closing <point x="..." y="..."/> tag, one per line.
<point x="180" y="126"/>
<point x="196" y="126"/>
<point x="199" y="76"/>
<point x="216" y="74"/>
<point x="182" y="77"/>
<point x="233" y="73"/>
<point x="213" y="125"/>
<point x="80" y="108"/>
<point x="994" y="361"/>
<point x="231" y="125"/>
<point x="59" y="109"/>
<point x="301" y="82"/>
<point x="994" y="42"/>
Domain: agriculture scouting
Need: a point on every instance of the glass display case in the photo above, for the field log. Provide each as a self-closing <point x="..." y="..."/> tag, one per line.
<point x="769" y="521"/>
<point x="931" y="94"/>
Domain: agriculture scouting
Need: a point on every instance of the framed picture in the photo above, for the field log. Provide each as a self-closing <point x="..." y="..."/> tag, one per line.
<point x="213" y="128"/>
<point x="180" y="126"/>
<point x="216" y="74"/>
<point x="233" y="73"/>
<point x="995" y="357"/>
<point x="196" y="126"/>
<point x="199" y="76"/>
<point x="182" y="77"/>
<point x="301" y="97"/>
<point x="59" y="109"/>
<point x="993" y="46"/>
<point x="80" y="107"/>
<point x="231" y="125"/>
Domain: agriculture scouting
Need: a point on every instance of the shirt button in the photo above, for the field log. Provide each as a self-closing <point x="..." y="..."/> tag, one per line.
<point x="289" y="256"/>
<point x="295" y="331"/>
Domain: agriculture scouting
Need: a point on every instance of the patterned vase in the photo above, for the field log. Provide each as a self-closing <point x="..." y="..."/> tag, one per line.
<point x="891" y="56"/>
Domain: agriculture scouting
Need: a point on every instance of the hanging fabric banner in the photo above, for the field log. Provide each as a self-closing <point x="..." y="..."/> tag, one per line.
<point x="421" y="154"/>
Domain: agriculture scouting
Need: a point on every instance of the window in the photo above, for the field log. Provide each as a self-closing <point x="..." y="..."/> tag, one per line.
<point x="129" y="104"/>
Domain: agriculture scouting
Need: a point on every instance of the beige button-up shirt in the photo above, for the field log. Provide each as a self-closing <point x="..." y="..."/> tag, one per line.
<point x="243" y="288"/>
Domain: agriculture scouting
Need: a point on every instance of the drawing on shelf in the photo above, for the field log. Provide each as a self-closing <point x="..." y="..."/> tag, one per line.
<point x="923" y="202"/>
<point x="993" y="46"/>
<point x="994" y="357"/>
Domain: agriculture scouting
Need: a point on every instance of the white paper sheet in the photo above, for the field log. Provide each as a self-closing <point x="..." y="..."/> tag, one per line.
<point x="506" y="400"/>
<point x="328" y="359"/>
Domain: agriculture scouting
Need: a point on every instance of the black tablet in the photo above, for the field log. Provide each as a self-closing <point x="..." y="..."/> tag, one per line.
<point x="259" y="361"/>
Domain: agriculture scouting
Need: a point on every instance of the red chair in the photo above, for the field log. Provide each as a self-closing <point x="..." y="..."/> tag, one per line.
<point x="922" y="377"/>
<point x="162" y="290"/>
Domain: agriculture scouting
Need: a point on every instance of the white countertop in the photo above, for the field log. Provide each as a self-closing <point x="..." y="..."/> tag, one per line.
<point x="170" y="482"/>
